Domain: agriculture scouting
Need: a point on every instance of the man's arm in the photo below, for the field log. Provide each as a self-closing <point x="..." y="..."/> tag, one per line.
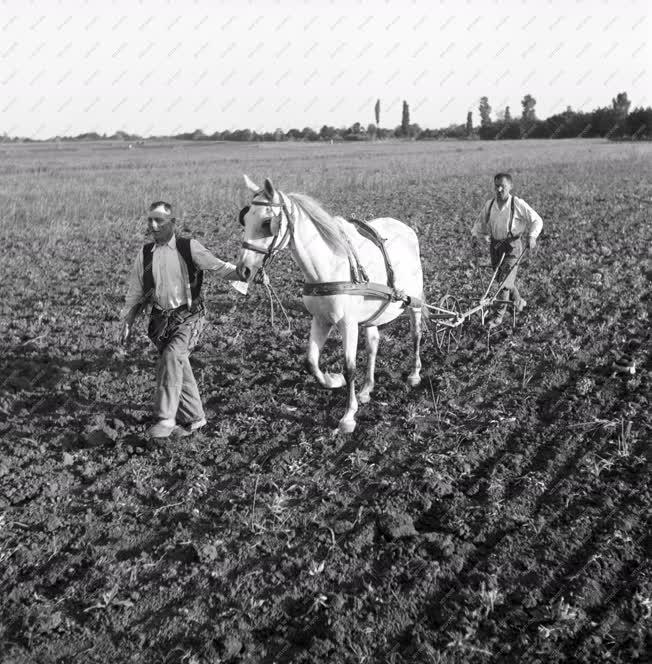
<point x="480" y="231"/>
<point x="534" y="223"/>
<point x="204" y="260"/>
<point x="480" y="228"/>
<point x="134" y="299"/>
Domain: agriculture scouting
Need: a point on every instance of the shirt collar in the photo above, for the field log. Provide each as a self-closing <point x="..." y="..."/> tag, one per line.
<point x="172" y="243"/>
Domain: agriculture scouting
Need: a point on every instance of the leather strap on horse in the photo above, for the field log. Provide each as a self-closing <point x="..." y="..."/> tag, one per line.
<point x="379" y="291"/>
<point x="368" y="289"/>
<point x="372" y="235"/>
<point x="387" y="293"/>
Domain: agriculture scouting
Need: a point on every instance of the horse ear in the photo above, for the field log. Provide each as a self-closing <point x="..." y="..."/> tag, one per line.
<point x="250" y="185"/>
<point x="269" y="189"/>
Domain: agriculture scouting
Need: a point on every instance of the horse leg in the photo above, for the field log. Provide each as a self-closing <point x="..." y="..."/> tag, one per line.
<point x="372" y="350"/>
<point x="350" y="339"/>
<point x="319" y="331"/>
<point x="415" y="325"/>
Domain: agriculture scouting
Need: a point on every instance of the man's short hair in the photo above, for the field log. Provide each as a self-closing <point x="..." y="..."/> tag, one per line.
<point x="500" y="176"/>
<point x="162" y="204"/>
<point x="161" y="210"/>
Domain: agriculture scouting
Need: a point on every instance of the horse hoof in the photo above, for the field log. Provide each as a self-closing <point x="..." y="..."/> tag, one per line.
<point x="364" y="397"/>
<point x="347" y="426"/>
<point x="334" y="381"/>
<point x="413" y="380"/>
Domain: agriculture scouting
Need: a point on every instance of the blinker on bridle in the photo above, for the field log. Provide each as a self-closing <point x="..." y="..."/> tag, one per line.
<point x="274" y="246"/>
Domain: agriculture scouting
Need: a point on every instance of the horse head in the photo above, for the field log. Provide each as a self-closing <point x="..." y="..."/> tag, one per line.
<point x="266" y="227"/>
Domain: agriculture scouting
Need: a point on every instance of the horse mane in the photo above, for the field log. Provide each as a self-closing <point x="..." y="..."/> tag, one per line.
<point x="332" y="229"/>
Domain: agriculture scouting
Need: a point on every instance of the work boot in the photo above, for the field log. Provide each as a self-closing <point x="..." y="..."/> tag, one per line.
<point x="189" y="429"/>
<point x="162" y="429"/>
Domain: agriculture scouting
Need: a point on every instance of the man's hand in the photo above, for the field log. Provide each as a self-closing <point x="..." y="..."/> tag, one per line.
<point x="532" y="244"/>
<point x="125" y="333"/>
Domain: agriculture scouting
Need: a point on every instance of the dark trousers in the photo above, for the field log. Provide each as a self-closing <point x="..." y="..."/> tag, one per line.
<point x="175" y="334"/>
<point x="512" y="249"/>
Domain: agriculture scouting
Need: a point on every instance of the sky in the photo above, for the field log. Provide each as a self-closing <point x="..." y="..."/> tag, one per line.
<point x="159" y="67"/>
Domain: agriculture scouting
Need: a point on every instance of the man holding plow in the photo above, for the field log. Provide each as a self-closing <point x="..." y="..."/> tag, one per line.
<point x="503" y="223"/>
<point x="167" y="274"/>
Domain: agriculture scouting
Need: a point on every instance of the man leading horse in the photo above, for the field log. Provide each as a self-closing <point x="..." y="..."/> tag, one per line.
<point x="167" y="277"/>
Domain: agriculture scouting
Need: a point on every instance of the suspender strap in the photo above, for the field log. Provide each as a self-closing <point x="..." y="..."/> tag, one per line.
<point x="148" y="276"/>
<point x="195" y="276"/>
<point x="511" y="217"/>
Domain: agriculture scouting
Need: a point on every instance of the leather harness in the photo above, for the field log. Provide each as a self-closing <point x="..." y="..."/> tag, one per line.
<point x="359" y="284"/>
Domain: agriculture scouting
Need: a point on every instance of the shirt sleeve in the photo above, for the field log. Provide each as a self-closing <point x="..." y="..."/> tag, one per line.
<point x="534" y="221"/>
<point x="480" y="227"/>
<point x="204" y="260"/>
<point x="135" y="287"/>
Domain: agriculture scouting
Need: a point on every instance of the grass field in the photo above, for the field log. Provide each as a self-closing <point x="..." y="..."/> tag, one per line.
<point x="498" y="513"/>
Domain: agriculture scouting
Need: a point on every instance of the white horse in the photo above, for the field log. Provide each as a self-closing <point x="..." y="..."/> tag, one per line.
<point x="345" y="278"/>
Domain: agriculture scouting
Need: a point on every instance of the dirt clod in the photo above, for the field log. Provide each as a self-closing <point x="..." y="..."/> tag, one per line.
<point x="396" y="525"/>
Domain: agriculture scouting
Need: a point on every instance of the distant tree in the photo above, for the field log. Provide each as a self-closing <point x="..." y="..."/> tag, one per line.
<point x="621" y="105"/>
<point x="293" y="134"/>
<point x="639" y="123"/>
<point x="604" y="121"/>
<point x="405" y="119"/>
<point x="310" y="134"/>
<point x="377" y="112"/>
<point x="455" y="131"/>
<point x="327" y="133"/>
<point x="485" y="112"/>
<point x="469" y="123"/>
<point x="528" y="102"/>
<point x="372" y="130"/>
<point x="242" y="135"/>
<point x="198" y="135"/>
<point x="414" y="130"/>
<point x="508" y="114"/>
<point x="356" y="128"/>
<point x="278" y="134"/>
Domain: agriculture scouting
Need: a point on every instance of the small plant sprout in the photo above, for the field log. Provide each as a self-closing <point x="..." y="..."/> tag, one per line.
<point x="645" y="603"/>
<point x="107" y="600"/>
<point x="411" y="412"/>
<point x="624" y="439"/>
<point x="597" y="464"/>
<point x="319" y="602"/>
<point x="278" y="506"/>
<point x="564" y="611"/>
<point x="315" y="568"/>
<point x="489" y="597"/>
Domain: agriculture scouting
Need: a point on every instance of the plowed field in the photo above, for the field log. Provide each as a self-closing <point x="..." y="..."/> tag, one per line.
<point x="500" y="512"/>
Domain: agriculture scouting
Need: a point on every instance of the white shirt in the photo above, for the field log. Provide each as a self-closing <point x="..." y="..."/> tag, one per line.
<point x="172" y="287"/>
<point x="526" y="220"/>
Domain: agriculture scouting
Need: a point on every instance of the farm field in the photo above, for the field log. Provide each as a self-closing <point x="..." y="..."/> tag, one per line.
<point x="500" y="512"/>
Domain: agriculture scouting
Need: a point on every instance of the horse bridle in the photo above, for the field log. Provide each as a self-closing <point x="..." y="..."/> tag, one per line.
<point x="277" y="244"/>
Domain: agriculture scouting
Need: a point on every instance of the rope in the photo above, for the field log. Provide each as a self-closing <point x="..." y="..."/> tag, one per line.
<point x="271" y="292"/>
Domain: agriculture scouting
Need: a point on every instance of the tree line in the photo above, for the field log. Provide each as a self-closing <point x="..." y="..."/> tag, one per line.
<point x="614" y="122"/>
